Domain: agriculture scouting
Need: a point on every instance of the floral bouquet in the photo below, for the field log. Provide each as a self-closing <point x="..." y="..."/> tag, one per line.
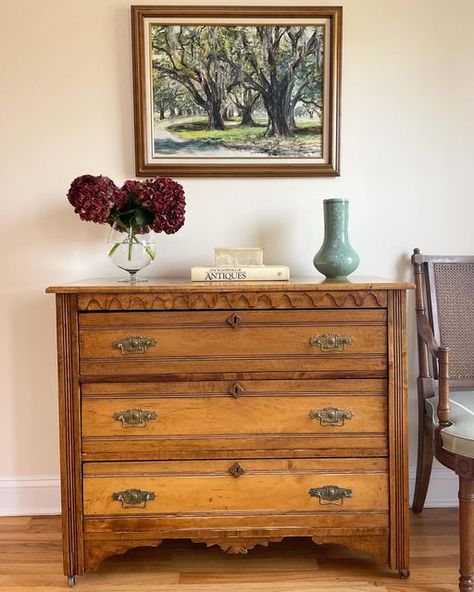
<point x="132" y="210"/>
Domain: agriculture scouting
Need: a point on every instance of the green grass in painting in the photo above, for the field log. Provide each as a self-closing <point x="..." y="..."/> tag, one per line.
<point x="304" y="142"/>
<point x="197" y="130"/>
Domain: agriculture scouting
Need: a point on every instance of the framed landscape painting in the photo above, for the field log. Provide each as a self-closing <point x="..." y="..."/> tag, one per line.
<point x="236" y="91"/>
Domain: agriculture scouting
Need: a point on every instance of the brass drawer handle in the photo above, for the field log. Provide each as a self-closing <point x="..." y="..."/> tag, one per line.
<point x="133" y="344"/>
<point x="330" y="494"/>
<point x="133" y="498"/>
<point x="331" y="341"/>
<point x="236" y="390"/>
<point x="134" y="418"/>
<point x="331" y="416"/>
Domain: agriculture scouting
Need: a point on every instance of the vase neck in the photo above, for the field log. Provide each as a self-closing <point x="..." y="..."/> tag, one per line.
<point x="335" y="219"/>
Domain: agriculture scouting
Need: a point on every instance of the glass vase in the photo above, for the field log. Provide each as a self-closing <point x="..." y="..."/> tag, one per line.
<point x="336" y="258"/>
<point x="130" y="250"/>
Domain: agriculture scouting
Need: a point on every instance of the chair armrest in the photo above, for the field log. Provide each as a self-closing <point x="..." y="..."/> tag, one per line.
<point x="425" y="332"/>
<point x="443" y="386"/>
<point x="442" y="354"/>
<point x="427" y="340"/>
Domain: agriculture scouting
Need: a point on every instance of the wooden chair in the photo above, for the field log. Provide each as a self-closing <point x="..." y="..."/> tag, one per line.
<point x="445" y="322"/>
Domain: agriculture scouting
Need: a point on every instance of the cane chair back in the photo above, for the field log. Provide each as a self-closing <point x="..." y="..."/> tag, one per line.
<point x="448" y="294"/>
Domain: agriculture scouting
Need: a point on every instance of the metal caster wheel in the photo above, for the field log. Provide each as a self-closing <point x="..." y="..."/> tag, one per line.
<point x="71" y="581"/>
<point x="404" y="574"/>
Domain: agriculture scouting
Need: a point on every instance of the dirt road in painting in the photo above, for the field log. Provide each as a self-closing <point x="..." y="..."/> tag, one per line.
<point x="168" y="144"/>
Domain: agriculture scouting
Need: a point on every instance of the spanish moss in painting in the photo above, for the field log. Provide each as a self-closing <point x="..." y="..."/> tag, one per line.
<point x="238" y="91"/>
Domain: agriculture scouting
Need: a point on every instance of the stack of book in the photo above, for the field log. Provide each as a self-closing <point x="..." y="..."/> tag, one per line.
<point x="240" y="265"/>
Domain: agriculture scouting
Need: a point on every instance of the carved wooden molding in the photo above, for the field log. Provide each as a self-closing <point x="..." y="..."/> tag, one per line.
<point x="233" y="300"/>
<point x="375" y="546"/>
<point x="398" y="437"/>
<point x="238" y="546"/>
<point x="464" y="467"/>
<point x="69" y="434"/>
<point x="98" y="550"/>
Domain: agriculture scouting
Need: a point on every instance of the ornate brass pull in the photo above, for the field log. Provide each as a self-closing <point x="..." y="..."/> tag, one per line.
<point x="133" y="344"/>
<point x="331" y="341"/>
<point x="134" y="418"/>
<point x="331" y="416"/>
<point x="236" y="390"/>
<point x="330" y="494"/>
<point x="237" y="470"/>
<point x="133" y="498"/>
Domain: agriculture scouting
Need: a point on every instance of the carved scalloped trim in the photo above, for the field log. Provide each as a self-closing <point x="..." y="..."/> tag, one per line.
<point x="233" y="300"/>
<point x="375" y="546"/>
<point x="98" y="550"/>
<point x="238" y="546"/>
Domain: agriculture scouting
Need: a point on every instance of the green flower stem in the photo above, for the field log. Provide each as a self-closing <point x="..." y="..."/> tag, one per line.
<point x="132" y="238"/>
<point x="150" y="252"/>
<point x="148" y="249"/>
<point x="113" y="249"/>
<point x="120" y="223"/>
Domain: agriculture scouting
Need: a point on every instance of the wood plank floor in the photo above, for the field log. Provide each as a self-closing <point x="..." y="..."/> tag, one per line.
<point x="30" y="561"/>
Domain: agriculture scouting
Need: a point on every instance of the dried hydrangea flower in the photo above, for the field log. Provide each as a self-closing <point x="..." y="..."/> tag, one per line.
<point x="94" y="198"/>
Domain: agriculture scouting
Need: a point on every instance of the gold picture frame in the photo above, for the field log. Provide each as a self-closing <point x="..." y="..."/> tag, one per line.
<point x="227" y="91"/>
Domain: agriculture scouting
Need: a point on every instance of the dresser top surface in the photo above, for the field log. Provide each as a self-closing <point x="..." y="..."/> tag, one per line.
<point x="110" y="285"/>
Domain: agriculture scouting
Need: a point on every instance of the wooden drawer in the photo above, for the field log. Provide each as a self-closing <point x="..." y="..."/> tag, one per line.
<point x="332" y="342"/>
<point x="159" y="418"/>
<point x="226" y="487"/>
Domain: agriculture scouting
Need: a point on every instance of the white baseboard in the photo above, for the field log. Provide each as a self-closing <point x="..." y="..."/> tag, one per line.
<point x="29" y="496"/>
<point x="443" y="489"/>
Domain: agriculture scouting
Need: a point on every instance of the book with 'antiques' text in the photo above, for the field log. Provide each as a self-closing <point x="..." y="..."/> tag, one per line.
<point x="240" y="274"/>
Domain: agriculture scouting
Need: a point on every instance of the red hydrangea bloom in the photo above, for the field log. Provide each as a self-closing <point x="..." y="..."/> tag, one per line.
<point x="94" y="198"/>
<point x="169" y="207"/>
<point x="132" y="186"/>
<point x="157" y="204"/>
<point x="144" y="191"/>
<point x="164" y="198"/>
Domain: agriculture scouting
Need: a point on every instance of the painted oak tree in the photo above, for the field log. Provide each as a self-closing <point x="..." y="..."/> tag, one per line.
<point x="245" y="100"/>
<point x="192" y="56"/>
<point x="280" y="63"/>
<point x="277" y="66"/>
<point x="308" y="89"/>
<point x="166" y="95"/>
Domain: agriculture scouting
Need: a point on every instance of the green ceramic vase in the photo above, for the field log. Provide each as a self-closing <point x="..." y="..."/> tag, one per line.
<point x="336" y="258"/>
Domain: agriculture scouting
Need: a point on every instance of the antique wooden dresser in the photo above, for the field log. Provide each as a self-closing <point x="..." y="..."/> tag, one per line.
<point x="233" y="415"/>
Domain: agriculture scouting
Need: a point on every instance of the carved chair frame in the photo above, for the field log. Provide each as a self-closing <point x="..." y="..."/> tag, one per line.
<point x="433" y="361"/>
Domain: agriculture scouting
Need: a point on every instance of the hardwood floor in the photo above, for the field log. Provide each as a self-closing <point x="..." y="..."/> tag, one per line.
<point x="30" y="560"/>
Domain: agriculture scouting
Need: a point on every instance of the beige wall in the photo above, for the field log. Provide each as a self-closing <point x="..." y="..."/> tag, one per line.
<point x="66" y="109"/>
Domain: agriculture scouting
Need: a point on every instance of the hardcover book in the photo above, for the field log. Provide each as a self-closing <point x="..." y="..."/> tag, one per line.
<point x="240" y="274"/>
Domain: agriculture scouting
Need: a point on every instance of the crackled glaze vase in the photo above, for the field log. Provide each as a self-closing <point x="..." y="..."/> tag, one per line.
<point x="336" y="258"/>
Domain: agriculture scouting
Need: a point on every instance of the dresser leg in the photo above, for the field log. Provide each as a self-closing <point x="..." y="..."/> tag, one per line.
<point x="404" y="574"/>
<point x="71" y="581"/>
